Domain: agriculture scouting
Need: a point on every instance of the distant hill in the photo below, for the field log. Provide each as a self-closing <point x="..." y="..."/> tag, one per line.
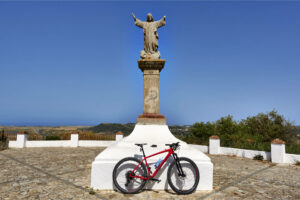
<point x="112" y="128"/>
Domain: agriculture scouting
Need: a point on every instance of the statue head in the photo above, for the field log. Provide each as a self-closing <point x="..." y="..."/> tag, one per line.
<point x="149" y="17"/>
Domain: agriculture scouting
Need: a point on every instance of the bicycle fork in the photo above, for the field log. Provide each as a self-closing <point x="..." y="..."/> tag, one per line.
<point x="178" y="165"/>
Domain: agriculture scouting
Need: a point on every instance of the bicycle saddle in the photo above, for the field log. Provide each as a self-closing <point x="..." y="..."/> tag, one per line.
<point x="141" y="145"/>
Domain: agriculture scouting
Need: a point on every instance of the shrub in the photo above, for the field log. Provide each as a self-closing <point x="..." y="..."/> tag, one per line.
<point x="258" y="157"/>
<point x="52" y="137"/>
<point x="91" y="191"/>
<point x="292" y="148"/>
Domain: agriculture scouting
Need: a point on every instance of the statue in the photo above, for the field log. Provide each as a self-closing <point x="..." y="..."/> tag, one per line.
<point x="150" y="35"/>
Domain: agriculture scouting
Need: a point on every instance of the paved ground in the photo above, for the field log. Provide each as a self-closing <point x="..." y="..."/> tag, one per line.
<point x="64" y="173"/>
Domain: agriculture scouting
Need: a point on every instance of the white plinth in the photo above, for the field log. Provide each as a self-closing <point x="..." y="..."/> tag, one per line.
<point x="278" y="153"/>
<point x="104" y="163"/>
<point x="214" y="146"/>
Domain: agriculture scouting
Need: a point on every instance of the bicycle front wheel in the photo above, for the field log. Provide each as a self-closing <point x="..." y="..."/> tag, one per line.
<point x="121" y="179"/>
<point x="186" y="183"/>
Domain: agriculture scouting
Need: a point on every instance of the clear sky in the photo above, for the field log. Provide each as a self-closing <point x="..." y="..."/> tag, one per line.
<point x="75" y="62"/>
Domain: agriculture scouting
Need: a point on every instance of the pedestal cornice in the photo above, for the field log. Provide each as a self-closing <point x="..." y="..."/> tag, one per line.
<point x="151" y="64"/>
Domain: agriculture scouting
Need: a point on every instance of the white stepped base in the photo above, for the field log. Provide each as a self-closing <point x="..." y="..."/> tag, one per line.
<point x="104" y="163"/>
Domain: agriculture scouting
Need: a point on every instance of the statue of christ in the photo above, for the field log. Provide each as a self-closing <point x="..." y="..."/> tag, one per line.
<point x="150" y="35"/>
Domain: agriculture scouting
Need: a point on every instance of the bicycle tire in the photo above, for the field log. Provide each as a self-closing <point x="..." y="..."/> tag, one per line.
<point x="177" y="183"/>
<point x="118" y="177"/>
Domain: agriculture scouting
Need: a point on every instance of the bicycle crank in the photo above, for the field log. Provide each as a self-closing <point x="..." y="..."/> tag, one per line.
<point x="154" y="179"/>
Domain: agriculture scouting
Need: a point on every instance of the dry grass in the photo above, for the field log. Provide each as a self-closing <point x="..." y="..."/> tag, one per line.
<point x="88" y="136"/>
<point x="93" y="136"/>
<point x="35" y="136"/>
<point x="10" y="136"/>
<point x="63" y="132"/>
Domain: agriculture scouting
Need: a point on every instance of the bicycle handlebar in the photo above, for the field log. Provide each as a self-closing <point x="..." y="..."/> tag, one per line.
<point x="174" y="146"/>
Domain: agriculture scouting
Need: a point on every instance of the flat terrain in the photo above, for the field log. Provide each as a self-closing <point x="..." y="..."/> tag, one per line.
<point x="64" y="173"/>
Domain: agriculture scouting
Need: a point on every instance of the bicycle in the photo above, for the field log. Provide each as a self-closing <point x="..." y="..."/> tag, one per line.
<point x="130" y="174"/>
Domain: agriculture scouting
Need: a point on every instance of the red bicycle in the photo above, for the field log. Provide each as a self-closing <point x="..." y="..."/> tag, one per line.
<point x="131" y="174"/>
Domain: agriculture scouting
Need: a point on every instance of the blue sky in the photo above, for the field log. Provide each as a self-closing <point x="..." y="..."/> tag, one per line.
<point x="75" y="63"/>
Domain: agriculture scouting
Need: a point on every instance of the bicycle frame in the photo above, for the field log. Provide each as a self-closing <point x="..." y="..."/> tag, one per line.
<point x="171" y="151"/>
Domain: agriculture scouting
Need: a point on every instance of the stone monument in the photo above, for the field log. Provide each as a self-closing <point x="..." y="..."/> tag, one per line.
<point x="151" y="65"/>
<point x="151" y="126"/>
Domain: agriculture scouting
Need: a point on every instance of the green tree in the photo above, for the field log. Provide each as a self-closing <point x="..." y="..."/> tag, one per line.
<point x="202" y="131"/>
<point x="270" y="126"/>
<point x="255" y="132"/>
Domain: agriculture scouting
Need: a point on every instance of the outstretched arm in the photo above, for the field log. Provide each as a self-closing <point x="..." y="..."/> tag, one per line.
<point x="137" y="22"/>
<point x="161" y="22"/>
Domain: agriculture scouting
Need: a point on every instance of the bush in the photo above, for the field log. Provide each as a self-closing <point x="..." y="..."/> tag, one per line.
<point x="292" y="148"/>
<point x="258" y="157"/>
<point x="52" y="137"/>
<point x="91" y="191"/>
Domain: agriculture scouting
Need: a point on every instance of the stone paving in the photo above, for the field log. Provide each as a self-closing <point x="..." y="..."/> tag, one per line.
<point x="64" y="173"/>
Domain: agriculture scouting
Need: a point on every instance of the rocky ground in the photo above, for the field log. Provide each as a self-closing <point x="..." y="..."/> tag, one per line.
<point x="64" y="173"/>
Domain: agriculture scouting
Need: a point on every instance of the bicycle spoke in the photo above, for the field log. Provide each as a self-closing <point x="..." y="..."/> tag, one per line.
<point x="187" y="183"/>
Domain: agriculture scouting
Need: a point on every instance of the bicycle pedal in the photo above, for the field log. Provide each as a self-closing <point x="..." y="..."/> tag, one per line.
<point x="154" y="179"/>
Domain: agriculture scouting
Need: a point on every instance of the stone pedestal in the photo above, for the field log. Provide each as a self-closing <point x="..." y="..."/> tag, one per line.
<point x="151" y="69"/>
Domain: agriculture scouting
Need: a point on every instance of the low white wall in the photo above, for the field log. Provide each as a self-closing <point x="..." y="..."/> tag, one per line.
<point x="292" y="158"/>
<point x="12" y="144"/>
<point x="95" y="143"/>
<point x="245" y="153"/>
<point x="74" y="142"/>
<point x="48" y="143"/>
<point x="63" y="143"/>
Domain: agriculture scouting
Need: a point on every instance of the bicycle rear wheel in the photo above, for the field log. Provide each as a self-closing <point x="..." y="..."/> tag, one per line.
<point x="121" y="179"/>
<point x="187" y="183"/>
